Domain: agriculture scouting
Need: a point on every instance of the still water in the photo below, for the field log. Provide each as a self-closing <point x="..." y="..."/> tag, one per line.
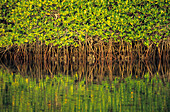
<point x="57" y="87"/>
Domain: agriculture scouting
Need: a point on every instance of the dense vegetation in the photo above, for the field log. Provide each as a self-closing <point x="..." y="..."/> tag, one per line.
<point x="71" y="22"/>
<point x="61" y="93"/>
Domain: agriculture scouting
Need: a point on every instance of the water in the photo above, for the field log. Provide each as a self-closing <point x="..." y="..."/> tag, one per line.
<point x="58" y="87"/>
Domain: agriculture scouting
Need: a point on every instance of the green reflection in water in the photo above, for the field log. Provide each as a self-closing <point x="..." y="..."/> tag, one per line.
<point x="61" y="93"/>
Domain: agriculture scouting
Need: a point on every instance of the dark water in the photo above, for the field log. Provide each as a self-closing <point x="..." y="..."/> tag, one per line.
<point x="82" y="87"/>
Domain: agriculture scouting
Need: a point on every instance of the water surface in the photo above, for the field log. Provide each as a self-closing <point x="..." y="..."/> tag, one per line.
<point x="59" y="87"/>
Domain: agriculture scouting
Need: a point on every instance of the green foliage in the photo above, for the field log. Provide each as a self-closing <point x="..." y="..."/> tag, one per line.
<point x="68" y="21"/>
